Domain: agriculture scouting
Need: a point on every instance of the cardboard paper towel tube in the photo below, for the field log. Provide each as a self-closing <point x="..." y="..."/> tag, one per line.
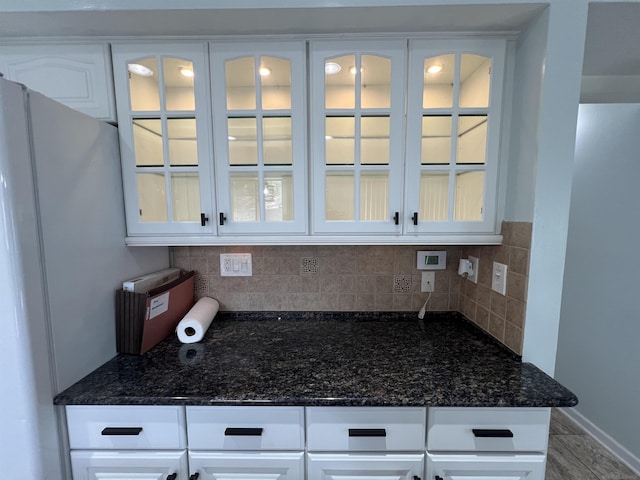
<point x="195" y="323"/>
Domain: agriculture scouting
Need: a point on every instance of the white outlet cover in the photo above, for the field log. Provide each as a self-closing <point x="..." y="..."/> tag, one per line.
<point x="429" y="277"/>
<point x="475" y="262"/>
<point x="499" y="278"/>
<point x="235" y="265"/>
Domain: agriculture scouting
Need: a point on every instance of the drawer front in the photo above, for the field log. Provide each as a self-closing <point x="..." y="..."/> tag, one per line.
<point x="488" y="429"/>
<point x="246" y="428"/>
<point x="126" y="427"/>
<point x="366" y="429"/>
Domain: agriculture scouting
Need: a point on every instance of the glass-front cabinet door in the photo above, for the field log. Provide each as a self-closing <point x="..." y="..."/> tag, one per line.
<point x="259" y="137"/>
<point x="357" y="115"/>
<point x="163" y="118"/>
<point x="453" y="125"/>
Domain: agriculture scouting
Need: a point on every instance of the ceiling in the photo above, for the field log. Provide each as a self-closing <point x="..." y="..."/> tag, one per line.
<point x="15" y="22"/>
<point x="613" y="39"/>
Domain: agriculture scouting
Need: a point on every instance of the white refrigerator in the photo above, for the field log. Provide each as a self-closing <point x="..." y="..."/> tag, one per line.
<point x="62" y="256"/>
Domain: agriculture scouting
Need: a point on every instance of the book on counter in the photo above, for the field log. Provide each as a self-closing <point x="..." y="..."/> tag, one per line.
<point x="143" y="319"/>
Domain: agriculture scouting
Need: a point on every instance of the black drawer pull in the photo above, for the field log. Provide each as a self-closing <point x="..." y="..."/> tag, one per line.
<point x="492" y="433"/>
<point x="243" y="432"/>
<point x="122" y="431"/>
<point x="173" y="476"/>
<point x="367" y="432"/>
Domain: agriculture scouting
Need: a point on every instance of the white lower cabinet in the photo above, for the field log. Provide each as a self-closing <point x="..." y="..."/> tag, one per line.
<point x="485" y="467"/>
<point x="364" y="466"/>
<point x="246" y="465"/>
<point x="361" y="443"/>
<point x="487" y="443"/>
<point x="312" y="443"/>
<point x="119" y="465"/>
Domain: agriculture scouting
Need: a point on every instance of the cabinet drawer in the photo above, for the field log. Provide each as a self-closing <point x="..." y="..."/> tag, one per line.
<point x="488" y="429"/>
<point x="246" y="428"/>
<point x="365" y="428"/>
<point x="126" y="427"/>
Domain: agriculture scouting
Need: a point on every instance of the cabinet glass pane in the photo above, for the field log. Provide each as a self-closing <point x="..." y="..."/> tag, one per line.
<point x="147" y="142"/>
<point x="339" y="196"/>
<point x="275" y="78"/>
<point x="472" y="139"/>
<point x="185" y="196"/>
<point x="240" y="77"/>
<point x="245" y="197"/>
<point x="340" y="140"/>
<point x="475" y="81"/>
<point x="374" y="196"/>
<point x="469" y="196"/>
<point x="243" y="141"/>
<point x="178" y="84"/>
<point x="436" y="140"/>
<point x="144" y="91"/>
<point x="278" y="197"/>
<point x="182" y="141"/>
<point x="376" y="82"/>
<point x="340" y="86"/>
<point x="276" y="132"/>
<point x="374" y="140"/>
<point x="152" y="197"/>
<point x="434" y="196"/>
<point x="438" y="82"/>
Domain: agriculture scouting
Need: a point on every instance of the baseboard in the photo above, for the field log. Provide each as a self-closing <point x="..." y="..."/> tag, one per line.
<point x="617" y="450"/>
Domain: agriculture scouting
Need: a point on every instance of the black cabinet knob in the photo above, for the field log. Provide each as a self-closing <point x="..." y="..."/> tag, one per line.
<point x="222" y="218"/>
<point x="203" y="219"/>
<point x="173" y="476"/>
<point x="195" y="476"/>
<point x="414" y="218"/>
<point x="396" y="218"/>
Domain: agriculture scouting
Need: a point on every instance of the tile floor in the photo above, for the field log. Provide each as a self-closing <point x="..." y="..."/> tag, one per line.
<point x="574" y="455"/>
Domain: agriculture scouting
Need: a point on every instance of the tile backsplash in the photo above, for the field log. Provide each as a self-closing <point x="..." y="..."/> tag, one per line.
<point x="502" y="316"/>
<point x="315" y="278"/>
<point x="369" y="278"/>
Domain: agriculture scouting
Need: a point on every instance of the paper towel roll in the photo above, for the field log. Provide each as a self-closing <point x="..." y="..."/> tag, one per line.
<point x="195" y="323"/>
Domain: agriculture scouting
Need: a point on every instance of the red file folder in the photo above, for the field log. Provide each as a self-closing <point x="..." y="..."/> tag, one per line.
<point x="145" y="319"/>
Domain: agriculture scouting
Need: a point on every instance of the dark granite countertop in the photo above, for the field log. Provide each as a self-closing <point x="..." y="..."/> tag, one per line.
<point x="312" y="358"/>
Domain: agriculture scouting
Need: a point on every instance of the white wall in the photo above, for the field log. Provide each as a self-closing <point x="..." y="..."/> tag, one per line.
<point x="555" y="142"/>
<point x="598" y="354"/>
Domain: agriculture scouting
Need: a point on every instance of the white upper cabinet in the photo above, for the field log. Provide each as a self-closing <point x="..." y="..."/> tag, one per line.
<point x="259" y="133"/>
<point x="350" y="140"/>
<point x="453" y="135"/>
<point x="357" y="120"/>
<point x="163" y="103"/>
<point x="76" y="75"/>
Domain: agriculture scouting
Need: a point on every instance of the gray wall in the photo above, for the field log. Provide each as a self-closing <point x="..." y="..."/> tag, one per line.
<point x="599" y="339"/>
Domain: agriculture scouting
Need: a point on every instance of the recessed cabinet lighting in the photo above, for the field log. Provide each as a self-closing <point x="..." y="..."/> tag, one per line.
<point x="435" y="68"/>
<point x="353" y="70"/>
<point x="138" y="69"/>
<point x="331" y="68"/>
<point x="264" y="71"/>
<point x="186" y="72"/>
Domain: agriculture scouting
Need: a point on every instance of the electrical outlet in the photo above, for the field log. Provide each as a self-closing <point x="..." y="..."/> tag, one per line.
<point x="428" y="283"/>
<point x="235" y="265"/>
<point x="474" y="276"/>
<point x="499" y="278"/>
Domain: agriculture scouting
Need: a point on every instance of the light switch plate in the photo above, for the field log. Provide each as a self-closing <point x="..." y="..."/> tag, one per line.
<point x="235" y="265"/>
<point x="499" y="278"/>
